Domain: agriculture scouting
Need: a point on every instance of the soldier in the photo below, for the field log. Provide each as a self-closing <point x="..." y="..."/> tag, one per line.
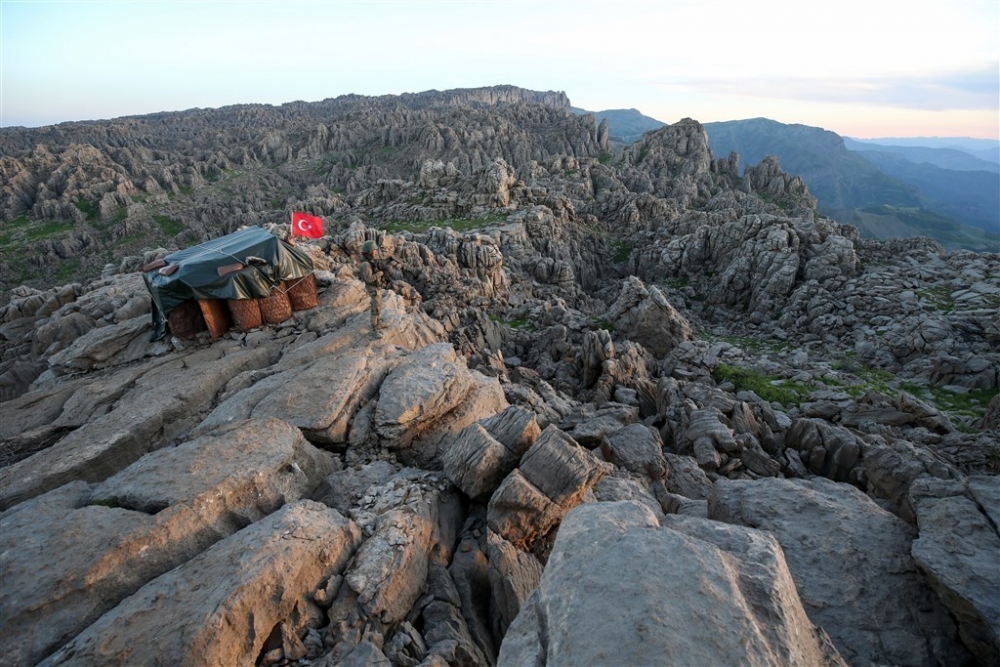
<point x="373" y="273"/>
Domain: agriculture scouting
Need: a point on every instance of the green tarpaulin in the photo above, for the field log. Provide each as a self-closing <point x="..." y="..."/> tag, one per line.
<point x="267" y="260"/>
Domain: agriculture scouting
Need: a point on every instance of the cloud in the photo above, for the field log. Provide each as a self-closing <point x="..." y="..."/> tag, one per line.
<point x="977" y="88"/>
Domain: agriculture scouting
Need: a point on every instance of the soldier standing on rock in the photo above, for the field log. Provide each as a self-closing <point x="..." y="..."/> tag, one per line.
<point x="373" y="273"/>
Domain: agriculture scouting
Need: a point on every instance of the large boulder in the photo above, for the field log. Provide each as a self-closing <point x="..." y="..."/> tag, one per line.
<point x="158" y="402"/>
<point x="428" y="398"/>
<point x="621" y="589"/>
<point x="643" y="314"/>
<point x="958" y="549"/>
<point x="552" y="478"/>
<point x="222" y="606"/>
<point x="482" y="454"/>
<point x="851" y="564"/>
<point x="73" y="553"/>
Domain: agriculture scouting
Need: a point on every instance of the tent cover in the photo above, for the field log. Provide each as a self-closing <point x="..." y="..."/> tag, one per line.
<point x="266" y="260"/>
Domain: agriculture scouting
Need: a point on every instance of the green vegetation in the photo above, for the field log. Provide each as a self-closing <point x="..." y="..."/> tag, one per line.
<point x="784" y="202"/>
<point x="49" y="229"/>
<point x="871" y="378"/>
<point x="602" y="323"/>
<point x="622" y="251"/>
<point x="971" y="404"/>
<point x="10" y="229"/>
<point x="745" y="343"/>
<point x="884" y="221"/>
<point x="938" y="298"/>
<point x="516" y="323"/>
<point x="771" y="389"/>
<point x="677" y="283"/>
<point x="87" y="208"/>
<point x="168" y="226"/>
<point x="993" y="460"/>
<point x="604" y="157"/>
<point x="67" y="270"/>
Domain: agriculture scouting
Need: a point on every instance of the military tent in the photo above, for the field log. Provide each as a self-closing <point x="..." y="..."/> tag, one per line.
<point x="247" y="264"/>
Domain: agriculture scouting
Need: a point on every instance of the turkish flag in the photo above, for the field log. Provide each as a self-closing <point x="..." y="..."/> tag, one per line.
<point x="304" y="224"/>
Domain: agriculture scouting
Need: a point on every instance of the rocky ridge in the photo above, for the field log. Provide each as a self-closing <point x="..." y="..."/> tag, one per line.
<point x="645" y="348"/>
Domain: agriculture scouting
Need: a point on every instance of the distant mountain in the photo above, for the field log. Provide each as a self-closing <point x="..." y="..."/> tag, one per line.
<point x="984" y="149"/>
<point x="840" y="179"/>
<point x="947" y="158"/>
<point x="624" y="125"/>
<point x="883" y="193"/>
<point x="972" y="197"/>
<point x="961" y="143"/>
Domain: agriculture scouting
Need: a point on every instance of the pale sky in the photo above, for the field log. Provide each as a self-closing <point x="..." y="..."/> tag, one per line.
<point x="865" y="69"/>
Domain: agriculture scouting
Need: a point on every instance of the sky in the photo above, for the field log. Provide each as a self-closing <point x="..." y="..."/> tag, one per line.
<point x="863" y="69"/>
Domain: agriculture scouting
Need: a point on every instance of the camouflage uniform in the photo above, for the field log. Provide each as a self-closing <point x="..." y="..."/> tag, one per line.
<point x="372" y="273"/>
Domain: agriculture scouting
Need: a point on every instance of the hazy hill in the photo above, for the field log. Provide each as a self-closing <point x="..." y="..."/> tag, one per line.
<point x="972" y="197"/>
<point x="957" y="208"/>
<point x="625" y="125"/>
<point x="984" y="149"/>
<point x="839" y="178"/>
<point x="946" y="158"/>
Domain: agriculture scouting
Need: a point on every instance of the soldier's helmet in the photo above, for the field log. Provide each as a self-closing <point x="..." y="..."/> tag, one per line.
<point x="369" y="248"/>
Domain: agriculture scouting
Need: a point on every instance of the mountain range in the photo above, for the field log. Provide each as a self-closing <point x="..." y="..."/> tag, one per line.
<point x="944" y="188"/>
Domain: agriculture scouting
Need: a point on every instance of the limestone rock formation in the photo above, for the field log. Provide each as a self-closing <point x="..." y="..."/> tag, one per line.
<point x="258" y="579"/>
<point x="962" y="570"/>
<point x="600" y="568"/>
<point x="865" y="591"/>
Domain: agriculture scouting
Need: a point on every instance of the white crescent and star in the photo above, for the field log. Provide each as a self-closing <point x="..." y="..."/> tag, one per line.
<point x="301" y="225"/>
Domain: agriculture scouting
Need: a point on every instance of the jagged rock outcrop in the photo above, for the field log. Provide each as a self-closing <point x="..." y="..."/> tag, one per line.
<point x="644" y="315"/>
<point x="552" y="477"/>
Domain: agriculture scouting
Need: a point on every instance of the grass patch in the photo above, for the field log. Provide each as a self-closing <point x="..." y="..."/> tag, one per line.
<point x="17" y="223"/>
<point x="677" y="283"/>
<point x="9" y="229"/>
<point x="67" y="271"/>
<point x="870" y="378"/>
<point x="971" y="404"/>
<point x="49" y="229"/>
<point x="516" y="323"/>
<point x="168" y="226"/>
<point x="937" y="298"/>
<point x="772" y="390"/>
<point x="620" y="251"/>
<point x="602" y="323"/>
<point x="86" y="208"/>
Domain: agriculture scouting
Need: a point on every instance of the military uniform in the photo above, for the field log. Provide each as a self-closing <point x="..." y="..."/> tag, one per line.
<point x="373" y="275"/>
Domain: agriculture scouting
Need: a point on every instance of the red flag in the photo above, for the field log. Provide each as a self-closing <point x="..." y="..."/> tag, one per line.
<point x="304" y="224"/>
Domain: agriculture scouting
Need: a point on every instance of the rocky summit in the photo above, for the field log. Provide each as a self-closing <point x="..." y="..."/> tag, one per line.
<point x="632" y="405"/>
